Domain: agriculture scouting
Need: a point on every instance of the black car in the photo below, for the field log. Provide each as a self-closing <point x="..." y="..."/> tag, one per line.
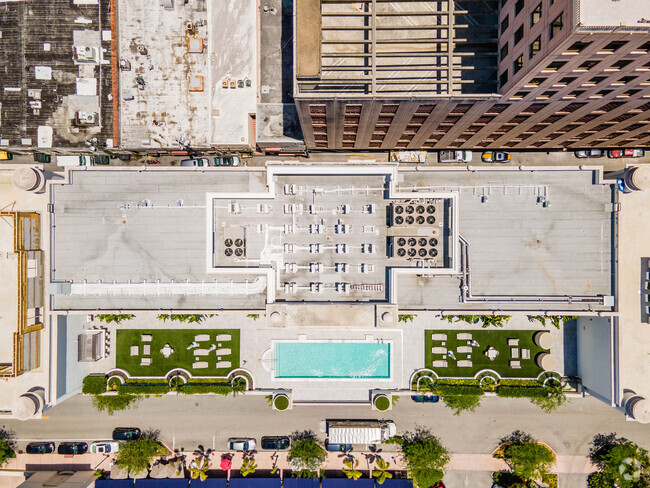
<point x="101" y="159"/>
<point x="73" y="448"/>
<point x="42" y="157"/>
<point x="126" y="434"/>
<point x="275" y="443"/>
<point x="426" y="398"/>
<point x="40" y="448"/>
<point x="338" y="447"/>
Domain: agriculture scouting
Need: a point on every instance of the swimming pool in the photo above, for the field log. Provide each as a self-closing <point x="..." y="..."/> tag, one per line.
<point x="332" y="360"/>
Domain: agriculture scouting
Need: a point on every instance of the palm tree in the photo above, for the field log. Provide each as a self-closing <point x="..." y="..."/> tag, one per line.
<point x="381" y="473"/>
<point x="200" y="469"/>
<point x="350" y="469"/>
<point x="248" y="467"/>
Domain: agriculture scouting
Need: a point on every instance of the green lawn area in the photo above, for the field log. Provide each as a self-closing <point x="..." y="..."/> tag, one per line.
<point x="498" y="339"/>
<point x="178" y="340"/>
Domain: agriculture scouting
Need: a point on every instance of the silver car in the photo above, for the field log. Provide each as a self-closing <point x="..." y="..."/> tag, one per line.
<point x="195" y="162"/>
<point x="242" y="444"/>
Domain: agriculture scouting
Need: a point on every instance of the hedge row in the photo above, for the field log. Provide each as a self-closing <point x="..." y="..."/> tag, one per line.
<point x="522" y="392"/>
<point x="187" y="389"/>
<point x="451" y="390"/>
<point x="94" y="385"/>
<point x="452" y="381"/>
<point x="524" y="383"/>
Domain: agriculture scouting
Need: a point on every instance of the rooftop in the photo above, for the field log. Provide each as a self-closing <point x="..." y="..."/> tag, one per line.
<point x="55" y="88"/>
<point x="612" y="13"/>
<point x="488" y="239"/>
<point x="391" y="48"/>
<point x="189" y="75"/>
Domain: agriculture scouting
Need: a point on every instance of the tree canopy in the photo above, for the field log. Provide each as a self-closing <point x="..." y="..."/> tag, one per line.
<point x="425" y="456"/>
<point x="530" y="461"/>
<point x="462" y="403"/>
<point x="136" y="456"/>
<point x="621" y="463"/>
<point x="306" y="455"/>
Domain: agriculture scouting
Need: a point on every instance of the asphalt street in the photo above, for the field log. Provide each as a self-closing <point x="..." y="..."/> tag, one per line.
<point x="187" y="421"/>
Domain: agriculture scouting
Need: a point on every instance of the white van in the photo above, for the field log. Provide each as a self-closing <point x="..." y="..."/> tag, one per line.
<point x="76" y="160"/>
<point x="344" y="432"/>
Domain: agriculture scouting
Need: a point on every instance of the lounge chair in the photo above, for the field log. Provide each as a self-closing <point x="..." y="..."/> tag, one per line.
<point x="514" y="353"/>
<point x="145" y="361"/>
<point x="223" y="337"/>
<point x="439" y="363"/>
<point x="224" y="364"/>
<point x="513" y="342"/>
<point x="146" y="337"/>
<point x="464" y="349"/>
<point x="438" y="337"/>
<point x="201" y="352"/>
<point x="200" y="365"/>
<point x="146" y="350"/>
<point x="525" y="354"/>
<point x="223" y="352"/>
<point x="464" y="337"/>
<point x="135" y="350"/>
<point x="439" y="350"/>
<point x="515" y="364"/>
<point x="201" y="337"/>
<point x="464" y="364"/>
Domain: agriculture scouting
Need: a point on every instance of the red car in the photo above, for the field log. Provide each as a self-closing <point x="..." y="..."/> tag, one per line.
<point x="625" y="153"/>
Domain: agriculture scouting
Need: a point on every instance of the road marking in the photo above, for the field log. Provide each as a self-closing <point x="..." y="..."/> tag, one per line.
<point x="173" y="443"/>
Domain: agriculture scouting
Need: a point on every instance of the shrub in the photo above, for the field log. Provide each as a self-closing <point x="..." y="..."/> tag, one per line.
<point x="94" y="385"/>
<point x="527" y="383"/>
<point x="555" y="398"/>
<point x="621" y="463"/>
<point x="382" y="403"/>
<point x="521" y="392"/>
<point x="454" y="390"/>
<point x="6" y="446"/>
<point x="200" y="388"/>
<point x="144" y="389"/>
<point x="452" y="381"/>
<point x="281" y="402"/>
<point x="115" y="318"/>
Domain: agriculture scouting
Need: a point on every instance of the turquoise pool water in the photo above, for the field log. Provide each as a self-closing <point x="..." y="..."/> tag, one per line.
<point x="332" y="360"/>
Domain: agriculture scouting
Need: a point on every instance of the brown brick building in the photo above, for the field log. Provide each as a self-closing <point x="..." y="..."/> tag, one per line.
<point x="525" y="74"/>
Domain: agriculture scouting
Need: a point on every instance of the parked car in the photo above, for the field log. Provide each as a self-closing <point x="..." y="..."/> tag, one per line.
<point x="126" y="434"/>
<point x="104" y="447"/>
<point x="275" y="443"/>
<point x="495" y="157"/>
<point x="196" y="162"/>
<point x="590" y="153"/>
<point x="625" y="153"/>
<point x="242" y="444"/>
<point x="227" y="161"/>
<point x="102" y="159"/>
<point x="337" y="447"/>
<point x="73" y="448"/>
<point x="426" y="398"/>
<point x="40" y="448"/>
<point x="455" y="156"/>
<point x="6" y="156"/>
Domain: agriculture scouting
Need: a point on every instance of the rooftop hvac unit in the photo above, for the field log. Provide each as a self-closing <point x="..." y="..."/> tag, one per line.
<point x="341" y="267"/>
<point x="316" y="287"/>
<point x="85" y="54"/>
<point x="86" y="118"/>
<point x="343" y="287"/>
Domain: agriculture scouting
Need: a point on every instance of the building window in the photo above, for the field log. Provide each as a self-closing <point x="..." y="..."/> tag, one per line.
<point x="644" y="48"/>
<point x="505" y="23"/>
<point x="613" y="46"/>
<point x="554" y="66"/>
<point x="547" y="94"/>
<point x="556" y="25"/>
<point x="518" y="64"/>
<point x="535" y="46"/>
<point x="601" y="94"/>
<point x="504" y="51"/>
<point x="595" y="80"/>
<point x="574" y="94"/>
<point x="536" y="14"/>
<point x="565" y="81"/>
<point x="586" y="66"/>
<point x="519" y="95"/>
<point x="535" y="82"/>
<point x="503" y="78"/>
<point x="519" y="7"/>
<point x="623" y="81"/>
<point x="519" y="34"/>
<point x="576" y="47"/>
<point x="619" y="65"/>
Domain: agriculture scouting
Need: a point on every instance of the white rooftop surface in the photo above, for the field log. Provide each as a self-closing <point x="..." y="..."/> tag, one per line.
<point x="610" y="13"/>
<point x="233" y="56"/>
<point x="633" y="335"/>
<point x="8" y="292"/>
<point x="165" y="111"/>
<point x="518" y="248"/>
<point x="140" y="238"/>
